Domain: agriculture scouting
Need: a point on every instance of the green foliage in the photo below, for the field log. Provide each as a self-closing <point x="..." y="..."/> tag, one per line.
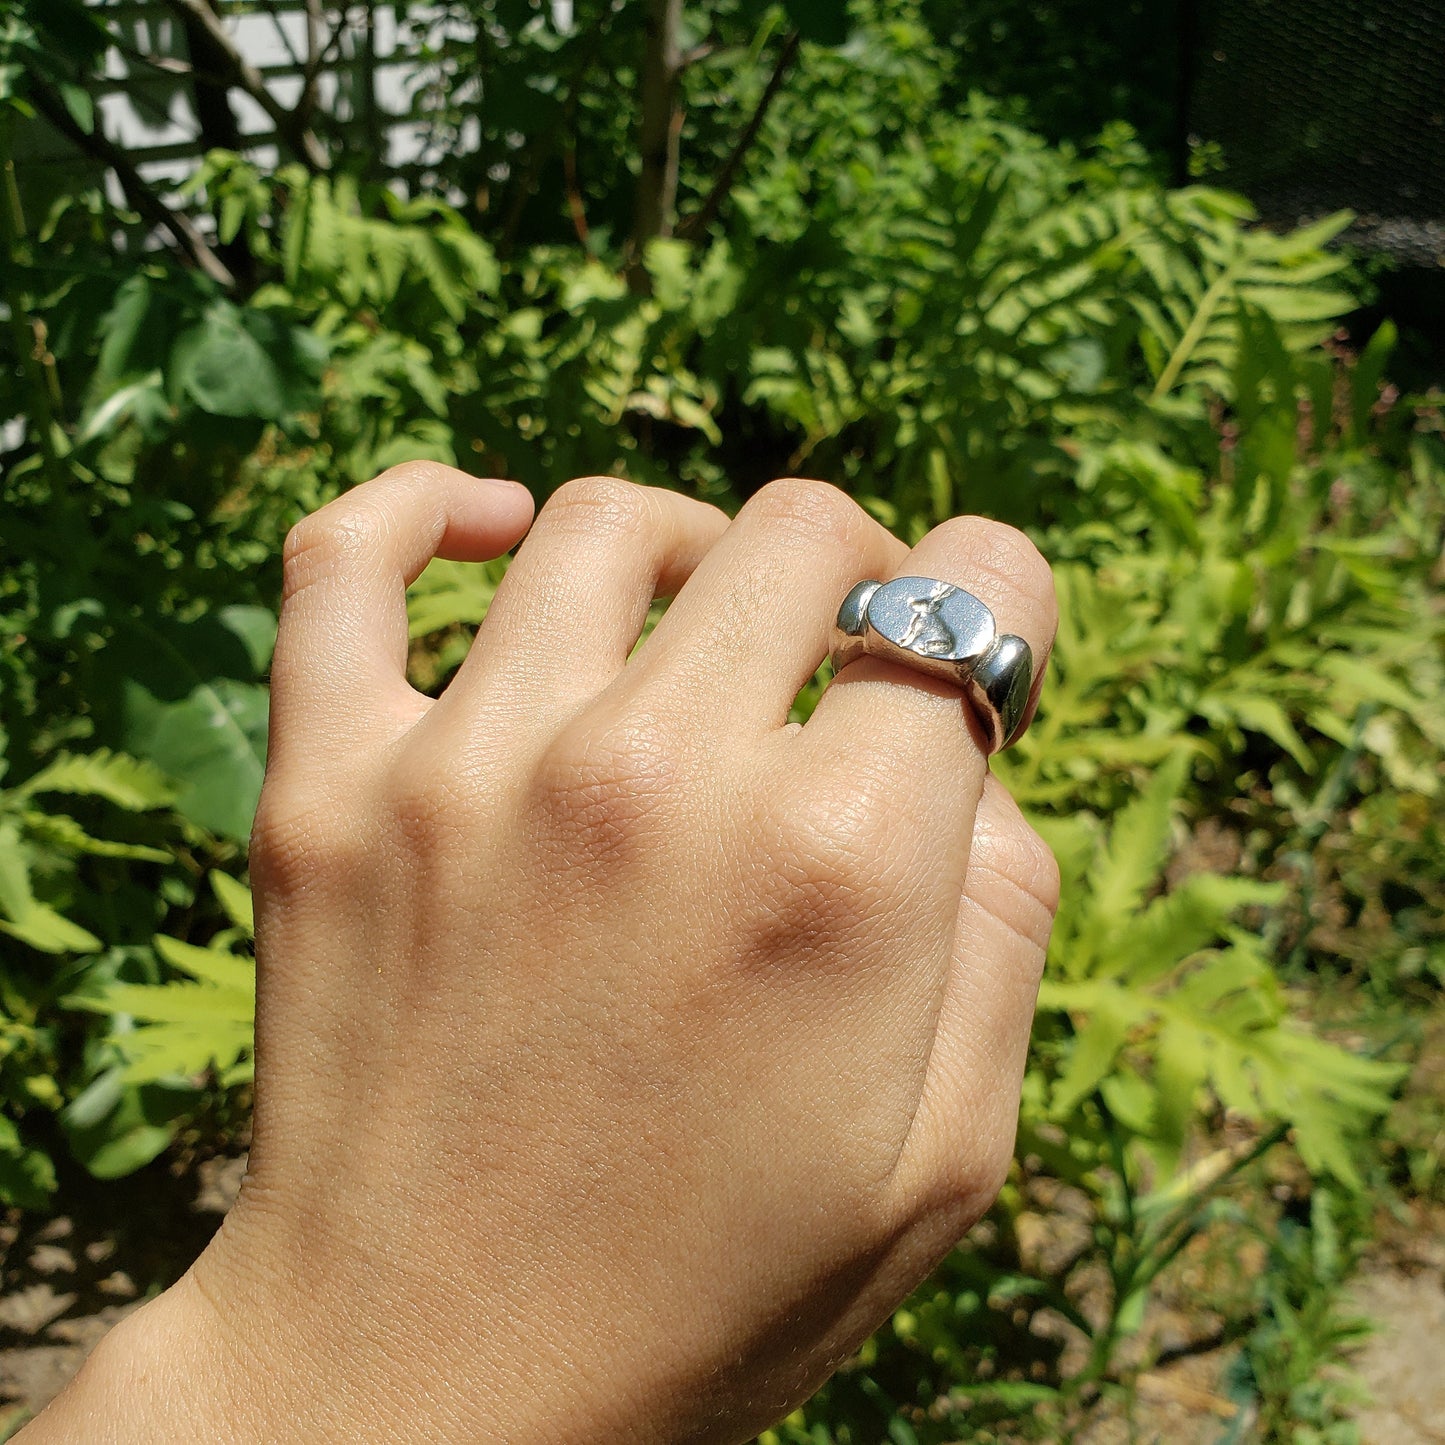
<point x="906" y="293"/>
<point x="1167" y="997"/>
<point x="1071" y="67"/>
<point x="48" y="914"/>
<point x="179" y="1025"/>
<point x="965" y="309"/>
<point x="1290" y="1363"/>
<point x="189" y="699"/>
<point x="1001" y="307"/>
<point x="34" y="841"/>
<point x="192" y="1026"/>
<point x="173" y="358"/>
<point x="54" y="41"/>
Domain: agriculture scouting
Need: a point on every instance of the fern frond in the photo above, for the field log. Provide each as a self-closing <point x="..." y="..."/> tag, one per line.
<point x="127" y="782"/>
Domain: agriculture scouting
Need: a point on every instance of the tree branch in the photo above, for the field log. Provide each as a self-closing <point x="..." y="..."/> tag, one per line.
<point x="27" y="329"/>
<point x="281" y="34"/>
<point x="660" y="125"/>
<point x="168" y="64"/>
<point x="306" y="103"/>
<point x="328" y="49"/>
<point x="697" y="54"/>
<point x="697" y="224"/>
<point x="182" y="229"/>
<point x="539" y="149"/>
<point x="290" y="125"/>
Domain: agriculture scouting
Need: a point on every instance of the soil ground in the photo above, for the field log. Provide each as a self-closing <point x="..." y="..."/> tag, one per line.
<point x="68" y="1279"/>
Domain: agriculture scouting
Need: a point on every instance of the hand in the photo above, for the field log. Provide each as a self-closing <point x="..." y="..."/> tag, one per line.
<point x="624" y="1052"/>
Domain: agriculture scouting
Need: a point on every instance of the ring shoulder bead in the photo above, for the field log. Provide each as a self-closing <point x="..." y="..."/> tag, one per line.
<point x="999" y="688"/>
<point x="848" y="631"/>
<point x="853" y="614"/>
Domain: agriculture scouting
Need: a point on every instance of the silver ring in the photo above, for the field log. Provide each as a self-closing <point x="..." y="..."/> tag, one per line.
<point x="942" y="631"/>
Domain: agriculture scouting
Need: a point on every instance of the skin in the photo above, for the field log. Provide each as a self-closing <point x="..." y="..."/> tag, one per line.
<point x="624" y="1052"/>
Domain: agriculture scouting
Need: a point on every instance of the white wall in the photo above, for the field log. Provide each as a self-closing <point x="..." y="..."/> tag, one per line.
<point x="149" y="112"/>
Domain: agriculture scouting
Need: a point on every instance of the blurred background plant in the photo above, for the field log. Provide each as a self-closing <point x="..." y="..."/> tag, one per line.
<point x="702" y="248"/>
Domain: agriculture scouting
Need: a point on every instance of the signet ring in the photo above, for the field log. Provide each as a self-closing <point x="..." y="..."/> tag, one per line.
<point x="941" y="630"/>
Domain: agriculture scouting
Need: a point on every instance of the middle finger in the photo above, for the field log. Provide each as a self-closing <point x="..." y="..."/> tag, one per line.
<point x="751" y="625"/>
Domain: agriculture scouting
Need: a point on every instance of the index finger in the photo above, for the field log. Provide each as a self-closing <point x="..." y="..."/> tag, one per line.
<point x="338" y="679"/>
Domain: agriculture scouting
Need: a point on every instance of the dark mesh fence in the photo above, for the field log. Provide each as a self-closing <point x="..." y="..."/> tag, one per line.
<point x="1317" y="105"/>
<point x="1309" y="106"/>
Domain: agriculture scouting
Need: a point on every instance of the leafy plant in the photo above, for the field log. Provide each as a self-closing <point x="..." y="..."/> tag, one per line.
<point x="870" y="278"/>
<point x="196" y="1026"/>
<point x="1290" y="1366"/>
<point x="1167" y="997"/>
<point x="48" y="919"/>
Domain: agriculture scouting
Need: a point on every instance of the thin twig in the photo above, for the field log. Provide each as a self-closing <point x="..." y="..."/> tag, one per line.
<point x="329" y="50"/>
<point x="574" y="194"/>
<point x="659" y="125"/>
<point x="29" y="348"/>
<point x="306" y="102"/>
<point x="290" y="126"/>
<point x="1182" y="1226"/>
<point x="281" y="34"/>
<point x="699" y="222"/>
<point x="696" y="54"/>
<point x="187" y="238"/>
<point x="527" y="168"/>
<point x="168" y="64"/>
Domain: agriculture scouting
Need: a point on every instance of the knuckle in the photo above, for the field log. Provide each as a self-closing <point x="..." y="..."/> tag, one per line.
<point x="1013" y="873"/>
<point x="419" y="473"/>
<point x="590" y="504"/>
<point x="1016" y="853"/>
<point x="300" y="840"/>
<point x="829" y="869"/>
<point x="997" y="548"/>
<point x="602" y="787"/>
<point x="317" y="544"/>
<point x="1039" y="871"/>
<point x="815" y="510"/>
<point x="998" y="1160"/>
<point x="975" y="1176"/>
<point x="956" y="1182"/>
<point x="428" y="809"/>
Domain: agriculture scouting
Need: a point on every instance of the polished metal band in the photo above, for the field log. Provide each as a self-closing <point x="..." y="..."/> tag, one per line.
<point x="939" y="629"/>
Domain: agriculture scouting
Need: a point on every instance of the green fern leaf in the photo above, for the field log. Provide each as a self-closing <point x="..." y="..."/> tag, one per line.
<point x="24" y="916"/>
<point x="235" y="898"/>
<point x="1103" y="1016"/>
<point x="127" y="782"/>
<point x="440" y="272"/>
<point x="449" y="593"/>
<point x="390" y="251"/>
<point x="165" y="1050"/>
<point x="227" y="971"/>
<point x="1256" y="713"/>
<point x="1129" y="865"/>
<point x="44" y="929"/>
<point x="183" y="1003"/>
<point x="61" y="831"/>
<point x="1172" y="928"/>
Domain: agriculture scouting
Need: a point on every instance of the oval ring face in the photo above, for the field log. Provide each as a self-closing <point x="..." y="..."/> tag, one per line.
<point x="932" y="619"/>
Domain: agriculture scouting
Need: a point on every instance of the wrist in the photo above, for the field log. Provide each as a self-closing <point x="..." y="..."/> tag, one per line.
<point x="220" y="1357"/>
<point x="225" y="1358"/>
<point x="164" y="1373"/>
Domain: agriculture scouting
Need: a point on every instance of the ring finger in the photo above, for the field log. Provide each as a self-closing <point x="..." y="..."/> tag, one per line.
<point x="890" y="720"/>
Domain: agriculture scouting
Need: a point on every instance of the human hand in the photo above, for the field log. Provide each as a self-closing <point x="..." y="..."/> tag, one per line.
<point x="624" y="1052"/>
